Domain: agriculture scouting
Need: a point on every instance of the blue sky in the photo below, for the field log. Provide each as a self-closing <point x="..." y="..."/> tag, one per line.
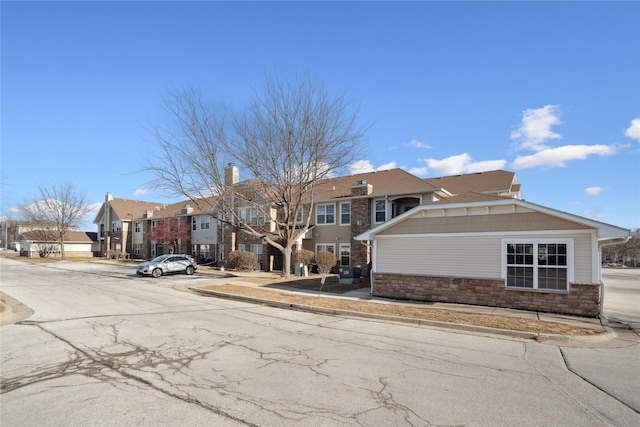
<point x="550" y="90"/>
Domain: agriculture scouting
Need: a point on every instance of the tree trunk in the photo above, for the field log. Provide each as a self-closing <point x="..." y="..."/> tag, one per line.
<point x="286" y="261"/>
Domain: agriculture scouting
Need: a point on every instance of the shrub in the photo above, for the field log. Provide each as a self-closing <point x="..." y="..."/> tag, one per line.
<point x="232" y="259"/>
<point x="325" y="261"/>
<point x="302" y="256"/>
<point x="247" y="261"/>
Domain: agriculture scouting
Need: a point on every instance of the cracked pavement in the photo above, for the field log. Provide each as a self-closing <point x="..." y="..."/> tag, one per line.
<point x="104" y="347"/>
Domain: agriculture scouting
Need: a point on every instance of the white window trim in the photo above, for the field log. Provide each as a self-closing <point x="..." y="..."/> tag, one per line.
<point x="549" y="240"/>
<point x="339" y="254"/>
<point x="333" y="245"/>
<point x="386" y="211"/>
<point x="345" y="223"/>
<point x="325" y="214"/>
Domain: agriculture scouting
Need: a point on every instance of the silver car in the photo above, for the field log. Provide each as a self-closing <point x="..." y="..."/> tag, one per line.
<point x="166" y="264"/>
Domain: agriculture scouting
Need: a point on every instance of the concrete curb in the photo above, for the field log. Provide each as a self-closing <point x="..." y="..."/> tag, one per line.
<point x="454" y="327"/>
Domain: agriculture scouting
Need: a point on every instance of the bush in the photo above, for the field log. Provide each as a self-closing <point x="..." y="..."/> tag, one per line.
<point x="242" y="261"/>
<point x="325" y="261"/>
<point x="232" y="259"/>
<point x="247" y="261"/>
<point x="302" y="256"/>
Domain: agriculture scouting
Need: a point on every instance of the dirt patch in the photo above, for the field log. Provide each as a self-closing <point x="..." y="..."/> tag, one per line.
<point x="413" y="311"/>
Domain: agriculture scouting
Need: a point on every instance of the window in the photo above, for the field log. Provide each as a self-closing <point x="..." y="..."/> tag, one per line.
<point x="537" y="265"/>
<point x="154" y="223"/>
<point x="137" y="227"/>
<point x="116" y="226"/>
<point x="136" y="248"/>
<point x="345" y="213"/>
<point x="322" y="247"/>
<point x="241" y="248"/>
<point x="204" y="222"/>
<point x="194" y="223"/>
<point x="345" y="254"/>
<point x="380" y="211"/>
<point x="326" y="214"/>
<point x="256" y="217"/>
<point x="299" y="217"/>
<point x="257" y="250"/>
<point x="242" y="215"/>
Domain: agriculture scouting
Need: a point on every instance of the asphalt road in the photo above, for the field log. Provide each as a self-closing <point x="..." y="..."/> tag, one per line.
<point x="105" y="347"/>
<point x="622" y="295"/>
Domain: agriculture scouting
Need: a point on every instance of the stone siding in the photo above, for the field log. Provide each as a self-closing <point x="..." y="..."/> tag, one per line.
<point x="583" y="299"/>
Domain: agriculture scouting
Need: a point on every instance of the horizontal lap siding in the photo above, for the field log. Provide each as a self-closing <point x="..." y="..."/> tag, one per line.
<point x="446" y="256"/>
<point x="466" y="256"/>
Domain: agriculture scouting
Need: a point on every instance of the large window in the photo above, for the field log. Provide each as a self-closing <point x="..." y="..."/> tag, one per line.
<point x="137" y="227"/>
<point x="194" y="223"/>
<point x="256" y="217"/>
<point x="325" y="214"/>
<point x="328" y="247"/>
<point x="380" y="211"/>
<point x="204" y="222"/>
<point x="537" y="265"/>
<point x="345" y="213"/>
<point x="345" y="254"/>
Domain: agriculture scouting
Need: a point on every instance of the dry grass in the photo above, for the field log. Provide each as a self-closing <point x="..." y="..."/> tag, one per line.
<point x="274" y="290"/>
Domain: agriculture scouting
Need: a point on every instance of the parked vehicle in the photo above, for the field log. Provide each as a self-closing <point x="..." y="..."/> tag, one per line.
<point x="167" y="264"/>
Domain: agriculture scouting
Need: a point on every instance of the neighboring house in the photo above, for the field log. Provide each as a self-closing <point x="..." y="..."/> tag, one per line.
<point x="487" y="250"/>
<point x="123" y="225"/>
<point x="10" y="231"/>
<point x="497" y="183"/>
<point x="38" y="243"/>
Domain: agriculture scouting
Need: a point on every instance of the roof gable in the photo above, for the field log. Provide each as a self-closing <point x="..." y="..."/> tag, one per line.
<point x="497" y="181"/>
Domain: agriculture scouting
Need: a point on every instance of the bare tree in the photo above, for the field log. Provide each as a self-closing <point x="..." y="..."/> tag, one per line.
<point x="289" y="138"/>
<point x="55" y="209"/>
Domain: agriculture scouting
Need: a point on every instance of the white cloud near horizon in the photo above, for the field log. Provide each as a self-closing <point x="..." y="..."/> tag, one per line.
<point x="463" y="163"/>
<point x="365" y="166"/>
<point x="594" y="191"/>
<point x="556" y="157"/>
<point x="633" y="131"/>
<point x="141" y="191"/>
<point x="535" y="128"/>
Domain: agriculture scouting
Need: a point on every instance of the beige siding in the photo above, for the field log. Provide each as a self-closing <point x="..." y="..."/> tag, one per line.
<point x="440" y="256"/>
<point x="452" y="223"/>
<point x="467" y="256"/>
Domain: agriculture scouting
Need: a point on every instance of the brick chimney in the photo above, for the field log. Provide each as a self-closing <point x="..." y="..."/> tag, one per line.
<point x="231" y="174"/>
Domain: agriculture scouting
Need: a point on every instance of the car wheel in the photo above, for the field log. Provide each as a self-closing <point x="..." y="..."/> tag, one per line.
<point x="189" y="270"/>
<point x="156" y="272"/>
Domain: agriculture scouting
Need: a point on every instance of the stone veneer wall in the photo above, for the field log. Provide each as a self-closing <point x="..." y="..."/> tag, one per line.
<point x="360" y="222"/>
<point x="582" y="300"/>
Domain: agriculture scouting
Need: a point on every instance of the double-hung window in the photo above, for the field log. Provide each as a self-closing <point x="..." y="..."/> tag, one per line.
<point x="345" y="213"/>
<point x="257" y="250"/>
<point x="537" y="265"/>
<point x="380" y="211"/>
<point x="345" y="254"/>
<point x="326" y="214"/>
<point x="204" y="222"/>
<point x="325" y="247"/>
<point x="194" y="223"/>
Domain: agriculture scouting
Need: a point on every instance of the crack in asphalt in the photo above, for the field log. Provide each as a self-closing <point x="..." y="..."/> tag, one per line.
<point x="567" y="364"/>
<point x="84" y="363"/>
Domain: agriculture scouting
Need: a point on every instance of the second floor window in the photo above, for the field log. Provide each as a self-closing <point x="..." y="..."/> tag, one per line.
<point x="116" y="226"/>
<point x="380" y="211"/>
<point x="257" y="217"/>
<point x="326" y="214"/>
<point x="204" y="222"/>
<point x="137" y="227"/>
<point x="345" y="213"/>
<point x="194" y="223"/>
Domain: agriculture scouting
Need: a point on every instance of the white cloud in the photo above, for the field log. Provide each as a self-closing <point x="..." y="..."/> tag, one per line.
<point x="361" y="166"/>
<point x="594" y="191"/>
<point x="463" y="163"/>
<point x="387" y="166"/>
<point x="633" y="131"/>
<point x="535" y="128"/>
<point x="141" y="191"/>
<point x="416" y="144"/>
<point x="552" y="157"/>
<point x="597" y="215"/>
<point x="419" y="171"/>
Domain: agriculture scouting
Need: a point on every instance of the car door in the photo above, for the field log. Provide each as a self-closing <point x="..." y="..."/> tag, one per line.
<point x="176" y="263"/>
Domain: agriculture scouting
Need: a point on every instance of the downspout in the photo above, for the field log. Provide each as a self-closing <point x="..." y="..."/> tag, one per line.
<point x="612" y="242"/>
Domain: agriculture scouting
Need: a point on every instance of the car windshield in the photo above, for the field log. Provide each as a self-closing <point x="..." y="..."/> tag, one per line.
<point x="161" y="258"/>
